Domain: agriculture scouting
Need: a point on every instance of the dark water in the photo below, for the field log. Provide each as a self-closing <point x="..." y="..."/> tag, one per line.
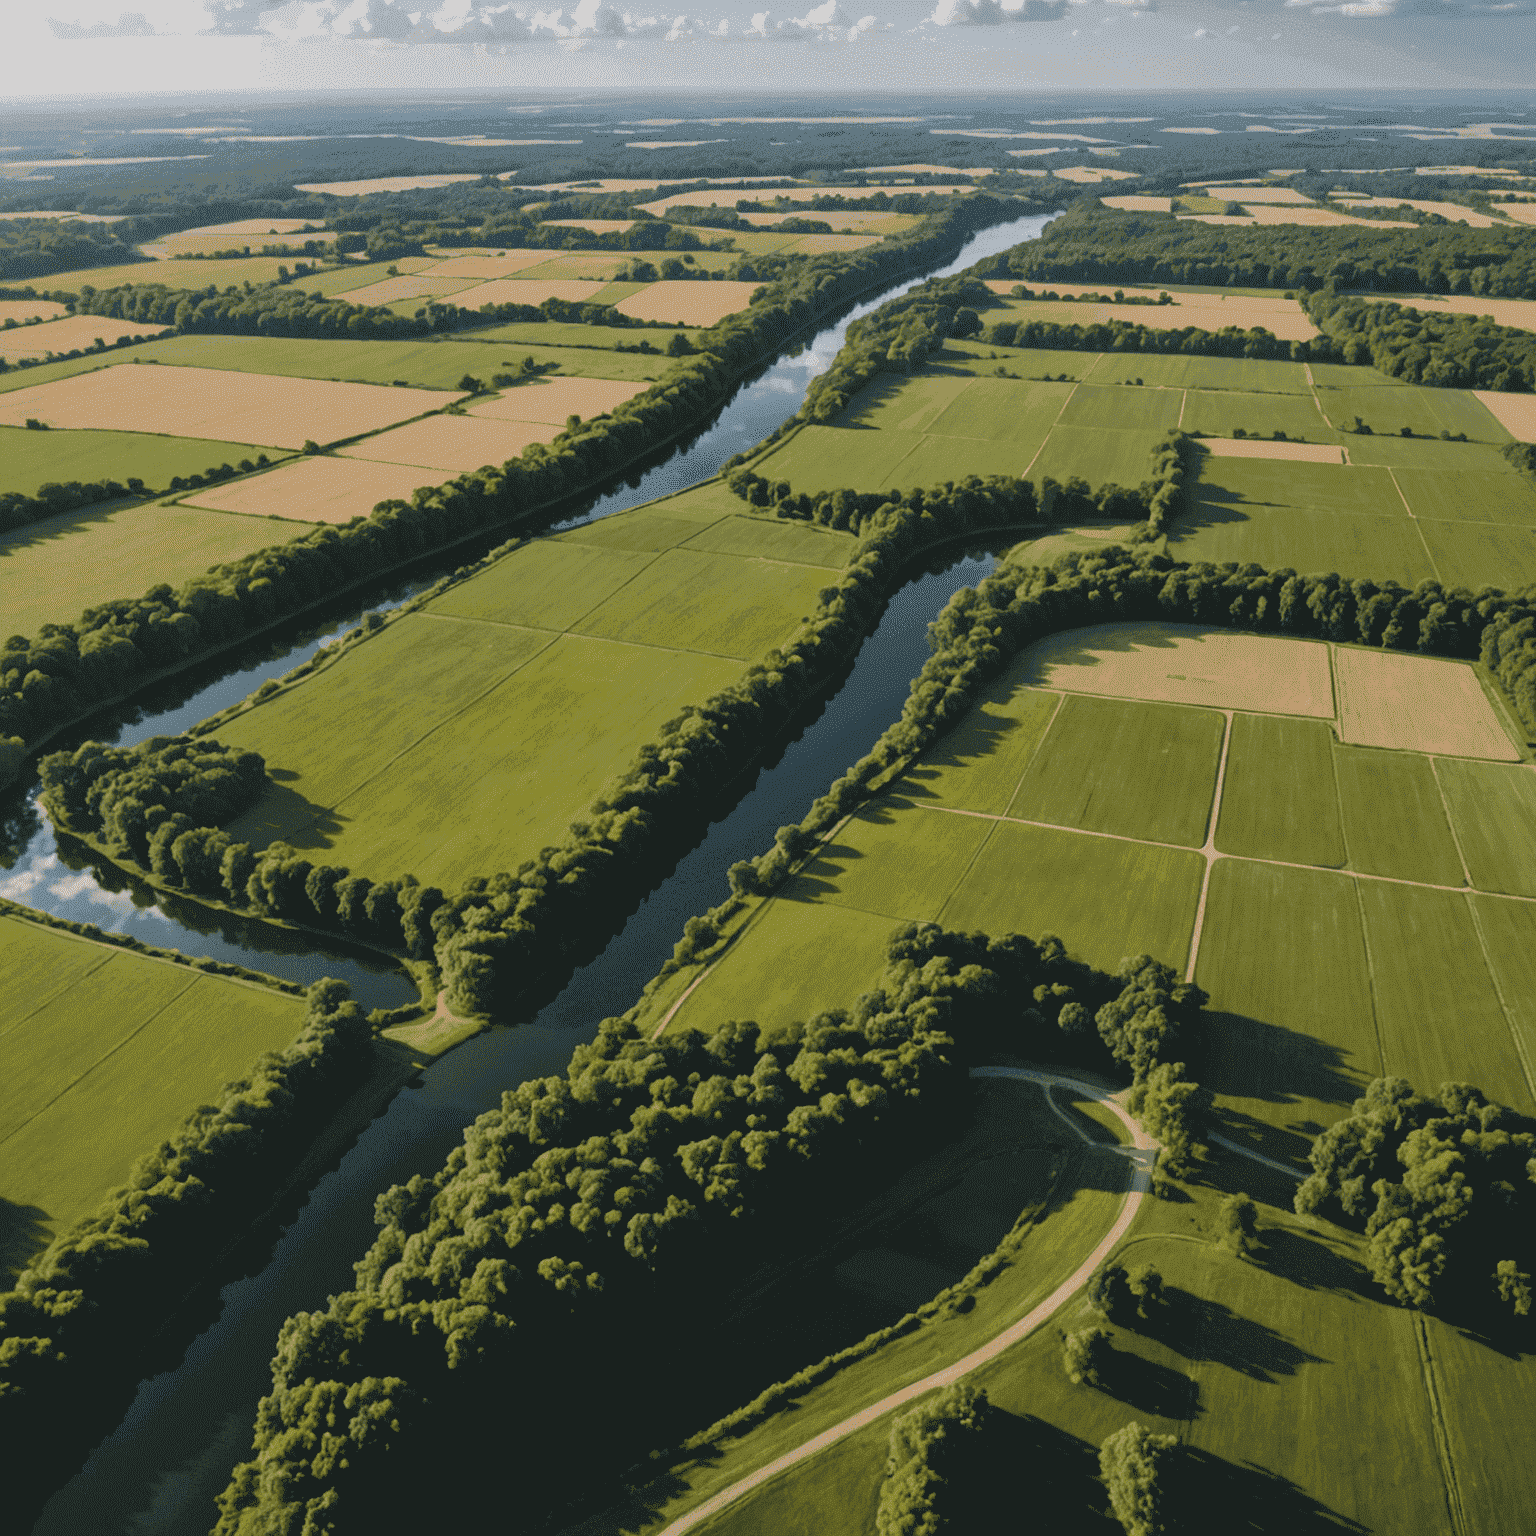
<point x="161" y="1468"/>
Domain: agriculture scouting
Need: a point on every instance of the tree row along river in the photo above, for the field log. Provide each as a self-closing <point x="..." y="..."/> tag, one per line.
<point x="160" y="1470"/>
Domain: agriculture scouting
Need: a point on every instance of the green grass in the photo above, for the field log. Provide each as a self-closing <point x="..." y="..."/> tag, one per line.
<point x="51" y="571"/>
<point x="1121" y="409"/>
<point x="1099" y="455"/>
<point x="105" y="1053"/>
<point x="720" y="605"/>
<point x="767" y="538"/>
<point x="977" y="765"/>
<point x="1394" y="823"/>
<point x="1425" y="453"/>
<point x="1439" y="1014"/>
<point x="934" y="460"/>
<point x="518" y="694"/>
<point x="32" y="459"/>
<point x="1217" y="415"/>
<point x="1493" y="809"/>
<point x="1223" y="373"/>
<point x="829" y="458"/>
<point x="1127" y="768"/>
<point x="1351" y="376"/>
<point x="1382" y="548"/>
<point x="1105" y="898"/>
<point x="982" y="358"/>
<point x="1474" y="496"/>
<point x="1293" y="1036"/>
<point x="1001" y="410"/>
<point x="182" y="274"/>
<point x="1508" y="933"/>
<point x="1427" y="412"/>
<point x="1473" y="556"/>
<point x="1278" y="799"/>
<point x="1335" y="488"/>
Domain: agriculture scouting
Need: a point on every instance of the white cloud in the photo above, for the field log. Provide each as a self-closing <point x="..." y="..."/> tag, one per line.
<point x="129" y="24"/>
<point x="993" y="13"/>
<point x="827" y="22"/>
<point x="1375" y="10"/>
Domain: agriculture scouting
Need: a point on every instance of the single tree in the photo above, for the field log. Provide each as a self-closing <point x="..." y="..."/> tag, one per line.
<point x="1239" y="1224"/>
<point x="1133" y="1465"/>
<point x="1083" y="1354"/>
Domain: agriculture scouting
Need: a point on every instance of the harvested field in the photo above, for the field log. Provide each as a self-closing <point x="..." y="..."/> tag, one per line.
<point x="1455" y="212"/>
<point x="819" y="245"/>
<point x="106" y="1052"/>
<point x="1086" y="175"/>
<point x="511" y="290"/>
<point x="318" y="490"/>
<point x="386" y="184"/>
<point x="1178" y="664"/>
<point x="31" y="459"/>
<point x="21" y="310"/>
<point x="483" y="268"/>
<point x="1517" y="313"/>
<point x="191" y="244"/>
<point x="557" y="399"/>
<point x="395" y="290"/>
<point x="593" y="264"/>
<point x="596" y="226"/>
<point x="1416" y="704"/>
<point x="222" y="274"/>
<point x="1282" y="317"/>
<point x="692" y="303"/>
<point x="218" y="403"/>
<point x="1515" y="413"/>
<point x="69" y="334"/>
<point x="1261" y="213"/>
<point x="455" y="443"/>
<point x="1258" y="195"/>
<point x="1257" y="448"/>
<point x="1130" y="203"/>
<point x="51" y="571"/>
<point x="255" y="227"/>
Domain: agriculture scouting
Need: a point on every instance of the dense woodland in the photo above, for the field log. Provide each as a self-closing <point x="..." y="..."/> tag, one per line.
<point x="1420" y="347"/>
<point x="564" y="1218"/>
<point x="1445" y="1186"/>
<point x="36" y="247"/>
<point x="1092" y="243"/>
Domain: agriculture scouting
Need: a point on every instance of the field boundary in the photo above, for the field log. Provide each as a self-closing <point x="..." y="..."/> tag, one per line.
<point x="1208" y="847"/>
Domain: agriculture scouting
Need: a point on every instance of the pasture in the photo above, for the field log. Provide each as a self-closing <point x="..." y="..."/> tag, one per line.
<point x="1220" y="415"/>
<point x="218" y="403"/>
<point x="51" y="571"/>
<point x="1426" y="412"/>
<point x="72" y="333"/>
<point x="106" y="1052"/>
<point x="519" y="693"/>
<point x="31" y="459"/>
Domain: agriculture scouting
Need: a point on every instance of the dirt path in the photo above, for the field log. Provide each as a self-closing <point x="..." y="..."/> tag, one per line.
<point x="1140" y="1154"/>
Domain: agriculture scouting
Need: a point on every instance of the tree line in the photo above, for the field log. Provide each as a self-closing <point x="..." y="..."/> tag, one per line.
<point x="1445" y="1188"/>
<point x="38" y="247"/>
<point x="569" y="1214"/>
<point x="75" y="1326"/>
<point x="1423" y="347"/>
<point x="1091" y="243"/>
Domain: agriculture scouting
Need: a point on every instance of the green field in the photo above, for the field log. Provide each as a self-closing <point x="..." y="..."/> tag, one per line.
<point x="1494" y="809"/>
<point x="1218" y="373"/>
<point x="518" y="694"/>
<point x="181" y="274"/>
<point x="1123" y="409"/>
<point x="106" y="1052"/>
<point x="1426" y="412"/>
<point x="1472" y="556"/>
<point x="1473" y="496"/>
<point x="1394" y="823"/>
<point x="51" y="571"/>
<point x="30" y="459"/>
<point x="1099" y="455"/>
<point x="983" y="358"/>
<point x="1278" y="801"/>
<point x="1219" y="414"/>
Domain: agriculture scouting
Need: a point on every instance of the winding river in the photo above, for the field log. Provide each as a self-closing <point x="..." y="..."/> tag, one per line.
<point x="159" y="1470"/>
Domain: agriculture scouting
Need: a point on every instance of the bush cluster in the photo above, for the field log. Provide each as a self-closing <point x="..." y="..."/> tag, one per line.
<point x="936" y="1473"/>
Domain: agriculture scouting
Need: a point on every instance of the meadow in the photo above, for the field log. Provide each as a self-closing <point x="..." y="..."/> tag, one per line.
<point x="31" y="459"/>
<point x="106" y="1052"/>
<point x="1340" y="911"/>
<point x="51" y="571"/>
<point x="518" y="693"/>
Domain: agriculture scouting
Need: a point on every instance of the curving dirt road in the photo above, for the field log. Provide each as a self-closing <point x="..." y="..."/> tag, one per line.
<point x="1141" y="1155"/>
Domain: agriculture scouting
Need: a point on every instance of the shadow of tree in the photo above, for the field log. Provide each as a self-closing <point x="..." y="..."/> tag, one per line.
<point x="1208" y="1331"/>
<point x="1253" y="1059"/>
<point x="1310" y="1263"/>
<point x="1148" y="1386"/>
<point x="23" y="1233"/>
<point x="1210" y="1496"/>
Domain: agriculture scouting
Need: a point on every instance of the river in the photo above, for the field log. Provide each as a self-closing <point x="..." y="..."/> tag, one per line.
<point x="160" y="1470"/>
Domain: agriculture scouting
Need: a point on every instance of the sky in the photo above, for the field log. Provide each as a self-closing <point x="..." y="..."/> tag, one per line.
<point x="87" y="47"/>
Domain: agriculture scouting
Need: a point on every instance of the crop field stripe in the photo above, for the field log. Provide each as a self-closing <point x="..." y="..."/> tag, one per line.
<point x="1208" y="849"/>
<point x="1059" y="414"/>
<point x="1453" y="1505"/>
<point x="105" y="1056"/>
<point x="1510" y="1023"/>
<point x="405" y="751"/>
<point x="1450" y="821"/>
<point x="62" y="988"/>
<point x="1433" y="565"/>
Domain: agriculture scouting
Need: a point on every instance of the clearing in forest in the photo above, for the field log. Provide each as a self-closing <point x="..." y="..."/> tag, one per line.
<point x="218" y="403"/>
<point x="104" y="1053"/>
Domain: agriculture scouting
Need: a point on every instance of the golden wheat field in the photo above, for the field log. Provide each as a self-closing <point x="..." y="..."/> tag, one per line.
<point x="1416" y="704"/>
<point x="320" y="489"/>
<point x="68" y="334"/>
<point x="691" y="303"/>
<point x="1515" y="413"/>
<point x="455" y="443"/>
<point x="1261" y="448"/>
<point x="218" y="403"/>
<point x="20" y="310"/>
<point x="512" y="290"/>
